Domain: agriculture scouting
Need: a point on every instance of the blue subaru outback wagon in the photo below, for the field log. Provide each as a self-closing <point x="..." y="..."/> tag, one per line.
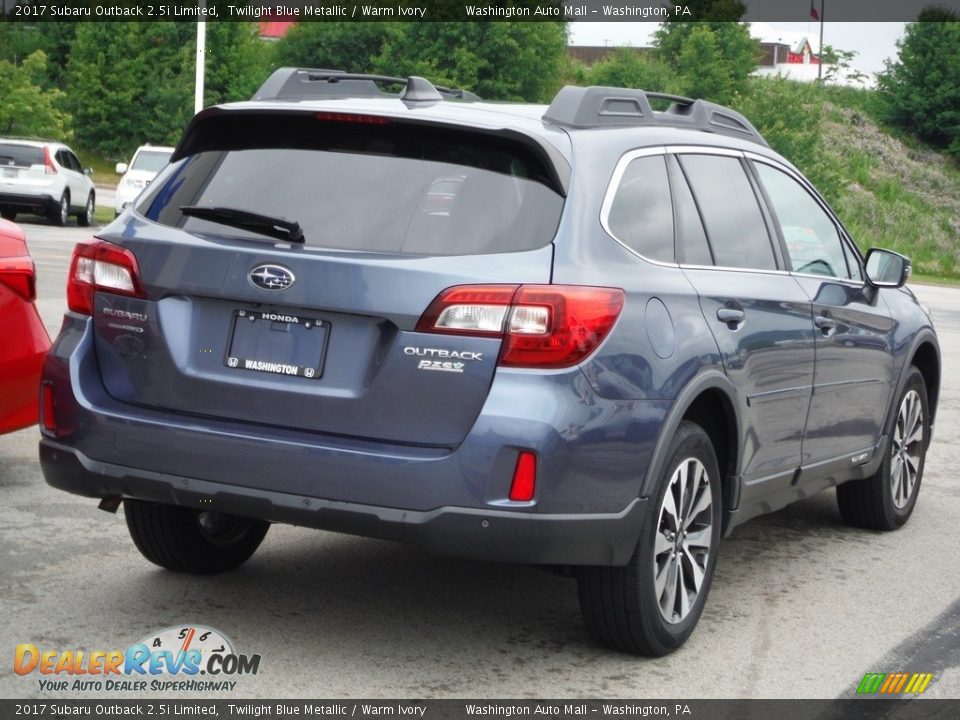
<point x="598" y="334"/>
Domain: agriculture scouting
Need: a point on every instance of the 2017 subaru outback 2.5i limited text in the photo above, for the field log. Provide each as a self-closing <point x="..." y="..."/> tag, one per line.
<point x="594" y="335"/>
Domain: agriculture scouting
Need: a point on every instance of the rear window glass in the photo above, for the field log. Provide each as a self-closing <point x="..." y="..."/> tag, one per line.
<point x="151" y="160"/>
<point x="392" y="189"/>
<point x="20" y="155"/>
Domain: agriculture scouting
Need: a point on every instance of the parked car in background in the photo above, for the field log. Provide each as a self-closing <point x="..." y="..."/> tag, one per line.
<point x="596" y="335"/>
<point x="147" y="161"/>
<point x="23" y="339"/>
<point x="45" y="178"/>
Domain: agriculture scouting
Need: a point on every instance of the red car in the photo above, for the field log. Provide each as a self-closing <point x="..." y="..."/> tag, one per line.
<point x="23" y="339"/>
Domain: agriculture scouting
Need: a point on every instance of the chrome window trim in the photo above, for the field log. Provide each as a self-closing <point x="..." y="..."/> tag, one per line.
<point x="611" y="192"/>
<point x="621" y="167"/>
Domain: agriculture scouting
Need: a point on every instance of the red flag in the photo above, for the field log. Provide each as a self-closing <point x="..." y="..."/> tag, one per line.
<point x="813" y="11"/>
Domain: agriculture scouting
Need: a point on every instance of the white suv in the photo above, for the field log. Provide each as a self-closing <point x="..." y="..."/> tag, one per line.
<point x="147" y="161"/>
<point x="44" y="178"/>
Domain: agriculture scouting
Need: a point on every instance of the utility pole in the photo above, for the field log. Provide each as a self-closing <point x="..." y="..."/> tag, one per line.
<point x="820" y="54"/>
<point x="201" y="60"/>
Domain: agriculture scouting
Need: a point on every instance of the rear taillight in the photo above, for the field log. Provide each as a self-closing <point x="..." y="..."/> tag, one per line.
<point x="48" y="167"/>
<point x="18" y="274"/>
<point x="542" y="326"/>
<point x="100" y="266"/>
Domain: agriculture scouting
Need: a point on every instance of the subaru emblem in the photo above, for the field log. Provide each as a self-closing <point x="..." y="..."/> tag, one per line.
<point x="271" y="277"/>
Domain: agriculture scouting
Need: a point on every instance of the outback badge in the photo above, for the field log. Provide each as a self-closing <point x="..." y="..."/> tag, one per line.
<point x="271" y="277"/>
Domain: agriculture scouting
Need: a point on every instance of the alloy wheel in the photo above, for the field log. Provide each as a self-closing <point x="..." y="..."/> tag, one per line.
<point x="682" y="544"/>
<point x="906" y="449"/>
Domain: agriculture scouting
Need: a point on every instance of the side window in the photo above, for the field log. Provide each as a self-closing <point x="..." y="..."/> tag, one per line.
<point x="731" y="215"/>
<point x="61" y="158"/>
<point x="811" y="236"/>
<point x="641" y="214"/>
<point x="74" y="162"/>
<point x="692" y="246"/>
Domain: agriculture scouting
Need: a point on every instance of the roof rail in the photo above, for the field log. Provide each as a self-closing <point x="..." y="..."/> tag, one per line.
<point x="290" y="83"/>
<point x="594" y="107"/>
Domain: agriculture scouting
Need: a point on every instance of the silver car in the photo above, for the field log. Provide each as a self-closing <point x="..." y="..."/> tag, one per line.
<point x="44" y="178"/>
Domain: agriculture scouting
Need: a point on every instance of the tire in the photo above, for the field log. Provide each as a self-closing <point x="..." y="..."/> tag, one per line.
<point x="886" y="500"/>
<point x="621" y="606"/>
<point x="10" y="215"/>
<point x="85" y="218"/>
<point x="192" y="541"/>
<point x="62" y="213"/>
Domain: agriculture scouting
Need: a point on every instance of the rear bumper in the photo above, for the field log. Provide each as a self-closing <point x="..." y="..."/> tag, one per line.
<point x="41" y="203"/>
<point x="479" y="533"/>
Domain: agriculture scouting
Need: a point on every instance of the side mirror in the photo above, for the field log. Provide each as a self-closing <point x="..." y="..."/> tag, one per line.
<point x="121" y="168"/>
<point x="88" y="171"/>
<point x="886" y="268"/>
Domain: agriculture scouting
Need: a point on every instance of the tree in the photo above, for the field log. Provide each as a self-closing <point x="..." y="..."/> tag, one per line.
<point x="131" y="83"/>
<point x="332" y="45"/>
<point x="627" y="68"/>
<point x="712" y="59"/>
<point x="27" y="108"/>
<point x="496" y="60"/>
<point x="837" y="65"/>
<point x="921" y="89"/>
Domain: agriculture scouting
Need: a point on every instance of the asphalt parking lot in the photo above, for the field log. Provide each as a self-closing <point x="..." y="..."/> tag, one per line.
<point x="802" y="606"/>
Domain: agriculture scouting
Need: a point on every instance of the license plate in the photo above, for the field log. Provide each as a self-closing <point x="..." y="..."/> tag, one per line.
<point x="10" y="172"/>
<point x="278" y="343"/>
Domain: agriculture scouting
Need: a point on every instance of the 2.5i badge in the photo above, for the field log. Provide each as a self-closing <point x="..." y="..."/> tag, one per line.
<point x="442" y="360"/>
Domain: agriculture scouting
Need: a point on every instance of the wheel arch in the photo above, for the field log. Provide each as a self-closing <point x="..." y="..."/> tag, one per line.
<point x="710" y="401"/>
<point x="926" y="358"/>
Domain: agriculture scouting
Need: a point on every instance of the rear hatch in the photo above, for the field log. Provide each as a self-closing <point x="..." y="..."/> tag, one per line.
<point x="246" y="323"/>
<point x="21" y="166"/>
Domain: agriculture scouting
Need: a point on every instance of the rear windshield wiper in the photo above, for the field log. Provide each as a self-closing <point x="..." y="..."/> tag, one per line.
<point x="277" y="227"/>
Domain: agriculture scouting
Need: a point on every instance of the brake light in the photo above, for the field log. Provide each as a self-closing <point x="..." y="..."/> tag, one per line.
<point x="352" y="118"/>
<point x="19" y="275"/>
<point x="48" y="167"/>
<point x="101" y="266"/>
<point x="524" y="483"/>
<point x="542" y="326"/>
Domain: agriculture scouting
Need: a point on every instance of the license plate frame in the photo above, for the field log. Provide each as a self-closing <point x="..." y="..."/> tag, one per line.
<point x="246" y="349"/>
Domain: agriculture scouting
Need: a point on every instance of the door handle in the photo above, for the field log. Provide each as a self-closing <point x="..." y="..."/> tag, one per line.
<point x="730" y="316"/>
<point x="825" y="324"/>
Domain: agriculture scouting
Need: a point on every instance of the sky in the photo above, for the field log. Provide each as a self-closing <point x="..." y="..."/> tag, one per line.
<point x="873" y="42"/>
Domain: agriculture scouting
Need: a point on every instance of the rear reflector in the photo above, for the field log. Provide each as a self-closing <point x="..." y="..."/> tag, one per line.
<point x="48" y="408"/>
<point x="101" y="266"/>
<point x="524" y="483"/>
<point x="542" y="326"/>
<point x="18" y="274"/>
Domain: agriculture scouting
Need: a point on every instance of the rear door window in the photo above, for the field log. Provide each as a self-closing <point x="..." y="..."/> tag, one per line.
<point x="408" y="189"/>
<point x="731" y="213"/>
<point x="692" y="245"/>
